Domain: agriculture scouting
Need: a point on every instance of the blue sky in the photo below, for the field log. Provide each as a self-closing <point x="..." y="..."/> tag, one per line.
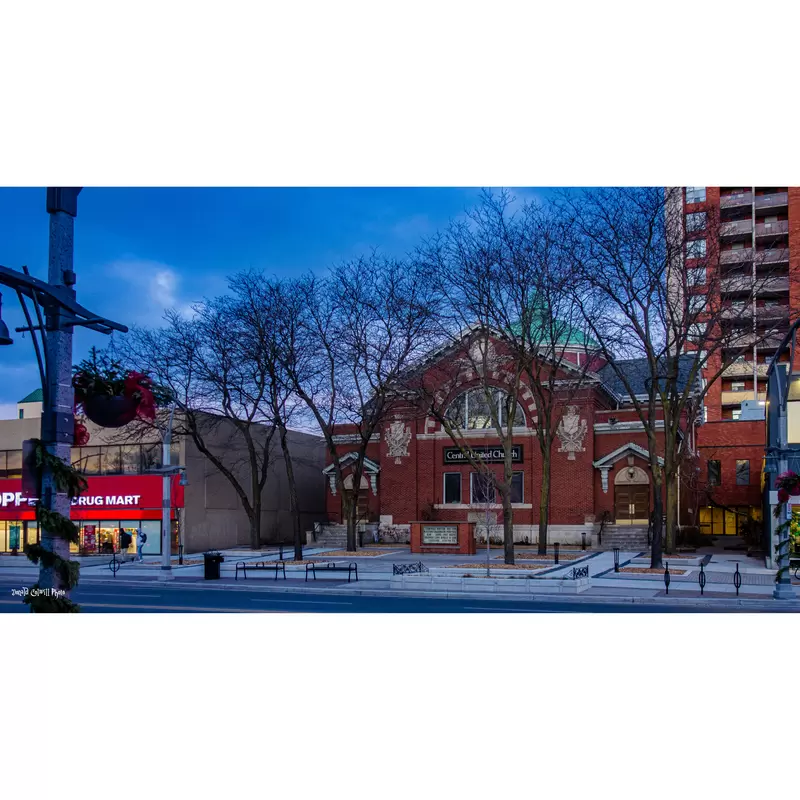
<point x="139" y="251"/>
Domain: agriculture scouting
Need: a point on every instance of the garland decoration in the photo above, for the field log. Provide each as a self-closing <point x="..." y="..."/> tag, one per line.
<point x="68" y="480"/>
<point x="788" y="485"/>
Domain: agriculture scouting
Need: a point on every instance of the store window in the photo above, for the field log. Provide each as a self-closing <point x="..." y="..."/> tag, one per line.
<point x="742" y="473"/>
<point x="10" y="463"/>
<point x="714" y="473"/>
<point x="482" y="488"/>
<point x="695" y="194"/>
<point x="452" y="487"/>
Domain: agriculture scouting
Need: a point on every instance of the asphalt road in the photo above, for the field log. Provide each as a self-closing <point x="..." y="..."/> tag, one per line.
<point x="120" y="598"/>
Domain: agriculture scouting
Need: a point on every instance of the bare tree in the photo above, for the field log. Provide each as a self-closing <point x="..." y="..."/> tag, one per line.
<point x="654" y="289"/>
<point x="346" y="337"/>
<point x="220" y="376"/>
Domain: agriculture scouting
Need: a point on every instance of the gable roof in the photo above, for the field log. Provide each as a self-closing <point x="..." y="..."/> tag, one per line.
<point x="35" y="396"/>
<point x="637" y="371"/>
<point x="607" y="461"/>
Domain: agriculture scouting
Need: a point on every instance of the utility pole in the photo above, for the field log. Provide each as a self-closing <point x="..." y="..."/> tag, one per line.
<point x="57" y="408"/>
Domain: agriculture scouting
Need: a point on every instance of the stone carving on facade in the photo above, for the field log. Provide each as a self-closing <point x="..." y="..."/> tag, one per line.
<point x="398" y="435"/>
<point x="571" y="431"/>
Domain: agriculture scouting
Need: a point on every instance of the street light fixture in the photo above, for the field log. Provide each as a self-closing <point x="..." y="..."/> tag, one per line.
<point x="4" y="337"/>
<point x="57" y="313"/>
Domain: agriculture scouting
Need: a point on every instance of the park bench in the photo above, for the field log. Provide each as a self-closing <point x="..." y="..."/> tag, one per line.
<point x="794" y="564"/>
<point x="328" y="568"/>
<point x="275" y="566"/>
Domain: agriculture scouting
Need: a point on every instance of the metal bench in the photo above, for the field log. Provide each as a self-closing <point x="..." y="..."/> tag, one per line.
<point x="276" y="566"/>
<point x="328" y="568"/>
<point x="794" y="564"/>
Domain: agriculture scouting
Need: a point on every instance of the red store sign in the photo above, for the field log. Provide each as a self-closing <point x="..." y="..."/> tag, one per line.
<point x="108" y="497"/>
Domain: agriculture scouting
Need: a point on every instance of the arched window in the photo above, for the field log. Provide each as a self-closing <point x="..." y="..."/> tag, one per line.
<point x="473" y="410"/>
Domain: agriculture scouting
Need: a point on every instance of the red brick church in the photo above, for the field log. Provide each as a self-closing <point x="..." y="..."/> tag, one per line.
<point x="415" y="471"/>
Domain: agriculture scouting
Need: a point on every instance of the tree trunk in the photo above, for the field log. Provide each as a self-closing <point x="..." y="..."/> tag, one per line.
<point x="508" y="529"/>
<point x="255" y="520"/>
<point x="294" y="502"/>
<point x="544" y="503"/>
<point x="658" y="513"/>
<point x="669" y="534"/>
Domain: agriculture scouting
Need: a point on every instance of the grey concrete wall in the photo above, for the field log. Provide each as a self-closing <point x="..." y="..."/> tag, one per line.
<point x="215" y="515"/>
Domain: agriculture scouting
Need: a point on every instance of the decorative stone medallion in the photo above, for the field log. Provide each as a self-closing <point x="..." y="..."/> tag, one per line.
<point x="571" y="431"/>
<point x="398" y="435"/>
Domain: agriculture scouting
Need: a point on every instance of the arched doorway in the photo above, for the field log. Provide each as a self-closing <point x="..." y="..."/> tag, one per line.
<point x="631" y="496"/>
<point x="363" y="497"/>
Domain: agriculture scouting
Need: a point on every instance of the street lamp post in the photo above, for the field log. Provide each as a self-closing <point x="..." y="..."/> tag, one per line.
<point x="166" y="510"/>
<point x="56" y="314"/>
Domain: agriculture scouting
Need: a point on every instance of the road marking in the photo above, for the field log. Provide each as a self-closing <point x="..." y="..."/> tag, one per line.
<point x="514" y="610"/>
<point x="282" y="600"/>
<point x="122" y="594"/>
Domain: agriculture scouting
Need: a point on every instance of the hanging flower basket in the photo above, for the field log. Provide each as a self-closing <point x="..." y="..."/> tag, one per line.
<point x="110" y="412"/>
<point x="788" y="485"/>
<point x="111" y="396"/>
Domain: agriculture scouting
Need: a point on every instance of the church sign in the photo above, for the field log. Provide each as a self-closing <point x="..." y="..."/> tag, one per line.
<point x="489" y="455"/>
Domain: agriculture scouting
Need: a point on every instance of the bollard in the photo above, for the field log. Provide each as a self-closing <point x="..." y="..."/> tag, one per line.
<point x="180" y="554"/>
<point x="616" y="559"/>
<point x="737" y="579"/>
<point x="583" y="540"/>
<point x="666" y="577"/>
<point x="280" y="551"/>
<point x="555" y="550"/>
<point x="702" y="580"/>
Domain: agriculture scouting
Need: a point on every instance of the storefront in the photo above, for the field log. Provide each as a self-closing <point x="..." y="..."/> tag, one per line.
<point x="111" y="505"/>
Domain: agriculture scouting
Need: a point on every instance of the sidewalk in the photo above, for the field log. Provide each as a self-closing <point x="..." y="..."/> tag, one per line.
<point x="375" y="579"/>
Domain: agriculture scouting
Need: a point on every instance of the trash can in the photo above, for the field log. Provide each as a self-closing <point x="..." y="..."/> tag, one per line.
<point x="211" y="562"/>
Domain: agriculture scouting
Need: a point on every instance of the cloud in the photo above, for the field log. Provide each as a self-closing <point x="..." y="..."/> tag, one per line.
<point x="158" y="285"/>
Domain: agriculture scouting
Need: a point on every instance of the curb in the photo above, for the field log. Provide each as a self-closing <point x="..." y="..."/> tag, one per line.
<point x="710" y="603"/>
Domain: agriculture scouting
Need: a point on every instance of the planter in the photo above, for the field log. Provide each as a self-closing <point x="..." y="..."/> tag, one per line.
<point x="110" y="412"/>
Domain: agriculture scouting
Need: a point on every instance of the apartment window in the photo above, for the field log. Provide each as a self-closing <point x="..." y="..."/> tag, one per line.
<point x="737" y="386"/>
<point x="696" y="248"/>
<point x="696" y="333"/>
<point x="696" y="222"/>
<point x="482" y="488"/>
<point x="452" y="487"/>
<point x="517" y="491"/>
<point x="697" y="304"/>
<point x="696" y="277"/>
<point x="714" y="473"/>
<point x="743" y="473"/>
<point x="695" y="194"/>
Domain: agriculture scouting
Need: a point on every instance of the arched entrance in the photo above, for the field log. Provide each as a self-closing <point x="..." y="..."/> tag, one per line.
<point x="631" y="496"/>
<point x="363" y="496"/>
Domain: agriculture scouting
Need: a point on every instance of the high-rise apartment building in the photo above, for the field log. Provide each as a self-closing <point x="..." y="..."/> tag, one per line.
<point x="751" y="235"/>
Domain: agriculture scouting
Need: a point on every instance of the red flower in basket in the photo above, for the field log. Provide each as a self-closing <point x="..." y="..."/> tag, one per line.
<point x="788" y="482"/>
<point x="81" y="434"/>
<point x="137" y="387"/>
<point x="783" y="496"/>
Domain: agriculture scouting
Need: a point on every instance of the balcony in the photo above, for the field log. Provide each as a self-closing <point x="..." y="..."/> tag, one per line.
<point x="736" y="258"/>
<point x="772" y="313"/>
<point x="741" y="315"/>
<point x="736" y="339"/>
<point x="774" y="201"/>
<point x="744" y="369"/>
<point x="767" y="229"/>
<point x="764" y="287"/>
<point x="728" y="201"/>
<point x="736" y="398"/>
<point x="739" y="230"/>
<point x="773" y="256"/>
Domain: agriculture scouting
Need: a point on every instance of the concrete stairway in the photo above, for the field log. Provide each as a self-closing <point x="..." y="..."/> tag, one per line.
<point x="332" y="536"/>
<point x="626" y="537"/>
